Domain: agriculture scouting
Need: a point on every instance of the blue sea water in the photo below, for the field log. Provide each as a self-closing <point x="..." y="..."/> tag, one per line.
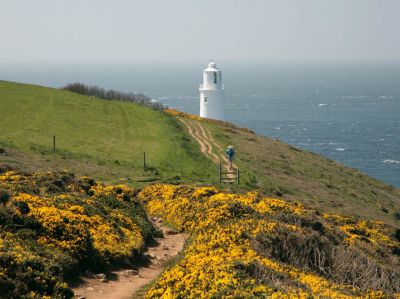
<point x="346" y="112"/>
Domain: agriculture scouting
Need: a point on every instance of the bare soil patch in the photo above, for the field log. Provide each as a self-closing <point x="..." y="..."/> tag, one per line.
<point x="127" y="283"/>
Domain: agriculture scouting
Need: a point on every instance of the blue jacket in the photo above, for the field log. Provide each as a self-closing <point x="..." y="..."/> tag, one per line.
<point x="230" y="153"/>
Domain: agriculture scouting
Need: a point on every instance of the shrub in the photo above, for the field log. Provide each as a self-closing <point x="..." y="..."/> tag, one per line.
<point x="4" y="197"/>
<point x="22" y="207"/>
<point x="264" y="275"/>
<point x="314" y="252"/>
<point x="310" y="251"/>
<point x="54" y="224"/>
<point x="30" y="267"/>
<point x="251" y="246"/>
<point x="114" y="95"/>
<point x="396" y="234"/>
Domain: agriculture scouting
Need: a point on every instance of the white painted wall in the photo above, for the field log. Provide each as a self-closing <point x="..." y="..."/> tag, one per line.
<point x="212" y="93"/>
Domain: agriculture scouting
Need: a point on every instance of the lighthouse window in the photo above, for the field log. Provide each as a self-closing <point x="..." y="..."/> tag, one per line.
<point x="205" y="100"/>
<point x="215" y="77"/>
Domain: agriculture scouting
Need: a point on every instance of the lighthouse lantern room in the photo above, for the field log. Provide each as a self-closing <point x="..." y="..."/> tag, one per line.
<point x="212" y="93"/>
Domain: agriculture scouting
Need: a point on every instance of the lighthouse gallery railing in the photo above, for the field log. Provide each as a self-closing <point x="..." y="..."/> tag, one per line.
<point x="212" y="86"/>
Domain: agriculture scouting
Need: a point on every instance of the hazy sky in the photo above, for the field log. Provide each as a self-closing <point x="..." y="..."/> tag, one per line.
<point x="128" y="31"/>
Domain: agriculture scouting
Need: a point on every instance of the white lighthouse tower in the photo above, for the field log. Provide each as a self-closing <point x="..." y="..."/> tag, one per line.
<point x="212" y="93"/>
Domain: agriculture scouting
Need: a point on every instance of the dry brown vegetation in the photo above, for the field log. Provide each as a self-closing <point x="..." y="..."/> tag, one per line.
<point x="285" y="171"/>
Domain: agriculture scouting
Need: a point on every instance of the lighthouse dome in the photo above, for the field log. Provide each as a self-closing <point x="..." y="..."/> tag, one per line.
<point x="212" y="65"/>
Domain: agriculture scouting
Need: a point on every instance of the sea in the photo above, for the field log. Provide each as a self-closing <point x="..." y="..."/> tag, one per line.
<point x="348" y="112"/>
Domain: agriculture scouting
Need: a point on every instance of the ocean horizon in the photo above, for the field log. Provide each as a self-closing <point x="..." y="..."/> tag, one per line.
<point x="346" y="112"/>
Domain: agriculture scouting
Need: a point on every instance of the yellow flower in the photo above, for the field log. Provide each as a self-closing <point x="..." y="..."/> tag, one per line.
<point x="221" y="237"/>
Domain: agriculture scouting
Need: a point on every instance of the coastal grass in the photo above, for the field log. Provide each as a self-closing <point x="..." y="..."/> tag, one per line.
<point x="291" y="173"/>
<point x="93" y="135"/>
<point x="106" y="140"/>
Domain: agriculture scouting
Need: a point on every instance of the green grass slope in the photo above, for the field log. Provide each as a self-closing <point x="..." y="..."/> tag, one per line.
<point x="105" y="139"/>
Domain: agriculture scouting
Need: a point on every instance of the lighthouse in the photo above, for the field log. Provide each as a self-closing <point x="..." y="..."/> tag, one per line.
<point x="212" y="93"/>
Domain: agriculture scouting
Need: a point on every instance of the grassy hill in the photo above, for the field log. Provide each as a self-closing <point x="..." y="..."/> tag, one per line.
<point x="307" y="227"/>
<point x="282" y="170"/>
<point x="106" y="140"/>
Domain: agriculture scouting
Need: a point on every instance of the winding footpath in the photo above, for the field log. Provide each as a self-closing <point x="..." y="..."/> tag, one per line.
<point x="130" y="283"/>
<point x="208" y="146"/>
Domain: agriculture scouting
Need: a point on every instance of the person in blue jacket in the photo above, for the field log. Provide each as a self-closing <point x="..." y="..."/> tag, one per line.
<point x="230" y="155"/>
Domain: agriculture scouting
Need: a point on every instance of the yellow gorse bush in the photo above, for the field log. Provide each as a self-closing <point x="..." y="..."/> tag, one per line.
<point x="174" y="112"/>
<point x="222" y="227"/>
<point x="71" y="227"/>
<point x="120" y="192"/>
<point x="54" y="223"/>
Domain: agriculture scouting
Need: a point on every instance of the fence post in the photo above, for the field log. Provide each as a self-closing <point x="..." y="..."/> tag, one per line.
<point x="144" y="160"/>
<point x="220" y="172"/>
<point x="238" y="176"/>
<point x="54" y="143"/>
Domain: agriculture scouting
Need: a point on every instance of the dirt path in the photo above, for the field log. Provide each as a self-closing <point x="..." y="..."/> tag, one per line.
<point x="208" y="145"/>
<point x="127" y="283"/>
<point x="205" y="146"/>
